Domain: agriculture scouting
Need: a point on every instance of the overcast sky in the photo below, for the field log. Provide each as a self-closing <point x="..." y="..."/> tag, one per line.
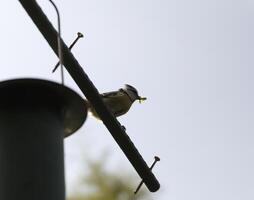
<point x="192" y="59"/>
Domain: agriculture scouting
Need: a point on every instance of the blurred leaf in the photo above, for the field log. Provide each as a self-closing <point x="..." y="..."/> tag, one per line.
<point x="105" y="185"/>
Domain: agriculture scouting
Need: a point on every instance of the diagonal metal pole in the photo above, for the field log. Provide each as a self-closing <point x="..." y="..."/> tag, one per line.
<point x="92" y="94"/>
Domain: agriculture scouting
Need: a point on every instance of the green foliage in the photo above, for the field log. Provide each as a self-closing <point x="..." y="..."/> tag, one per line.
<point x="102" y="184"/>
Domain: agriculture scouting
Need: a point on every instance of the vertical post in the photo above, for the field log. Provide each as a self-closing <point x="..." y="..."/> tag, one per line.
<point x="32" y="115"/>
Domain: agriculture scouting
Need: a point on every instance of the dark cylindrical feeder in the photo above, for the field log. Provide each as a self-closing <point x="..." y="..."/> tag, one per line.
<point x="35" y="116"/>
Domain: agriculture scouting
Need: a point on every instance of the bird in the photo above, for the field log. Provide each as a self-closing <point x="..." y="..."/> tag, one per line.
<point x="118" y="102"/>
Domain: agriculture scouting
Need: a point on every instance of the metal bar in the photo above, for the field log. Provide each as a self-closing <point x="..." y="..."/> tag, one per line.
<point x="92" y="94"/>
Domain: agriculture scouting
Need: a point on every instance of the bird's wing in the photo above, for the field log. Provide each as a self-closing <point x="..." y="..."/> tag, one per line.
<point x="109" y="94"/>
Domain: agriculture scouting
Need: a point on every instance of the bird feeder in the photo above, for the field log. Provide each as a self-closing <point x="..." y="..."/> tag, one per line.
<point x="35" y="116"/>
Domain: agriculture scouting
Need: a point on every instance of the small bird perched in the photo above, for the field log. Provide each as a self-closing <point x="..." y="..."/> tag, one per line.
<point x="118" y="102"/>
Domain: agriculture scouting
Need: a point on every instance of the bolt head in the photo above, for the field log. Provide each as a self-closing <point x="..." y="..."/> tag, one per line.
<point x="157" y="158"/>
<point x="80" y="35"/>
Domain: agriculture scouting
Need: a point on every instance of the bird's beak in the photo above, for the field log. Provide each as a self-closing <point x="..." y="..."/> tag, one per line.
<point x="141" y="99"/>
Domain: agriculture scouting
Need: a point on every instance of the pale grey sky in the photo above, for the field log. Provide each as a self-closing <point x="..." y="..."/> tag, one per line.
<point x="193" y="60"/>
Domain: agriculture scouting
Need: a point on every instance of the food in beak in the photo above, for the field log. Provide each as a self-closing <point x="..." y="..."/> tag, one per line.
<point x="141" y="99"/>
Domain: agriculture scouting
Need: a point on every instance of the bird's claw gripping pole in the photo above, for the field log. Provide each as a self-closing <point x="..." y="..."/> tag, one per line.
<point x="92" y="94"/>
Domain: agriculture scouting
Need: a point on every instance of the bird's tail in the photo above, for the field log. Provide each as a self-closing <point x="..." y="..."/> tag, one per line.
<point x="88" y="105"/>
<point x="90" y="110"/>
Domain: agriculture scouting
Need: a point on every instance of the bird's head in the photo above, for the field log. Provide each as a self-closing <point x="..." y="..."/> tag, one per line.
<point x="133" y="93"/>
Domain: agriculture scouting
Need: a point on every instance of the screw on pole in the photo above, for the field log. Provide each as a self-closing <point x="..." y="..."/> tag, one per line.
<point x="79" y="35"/>
<point x="156" y="159"/>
